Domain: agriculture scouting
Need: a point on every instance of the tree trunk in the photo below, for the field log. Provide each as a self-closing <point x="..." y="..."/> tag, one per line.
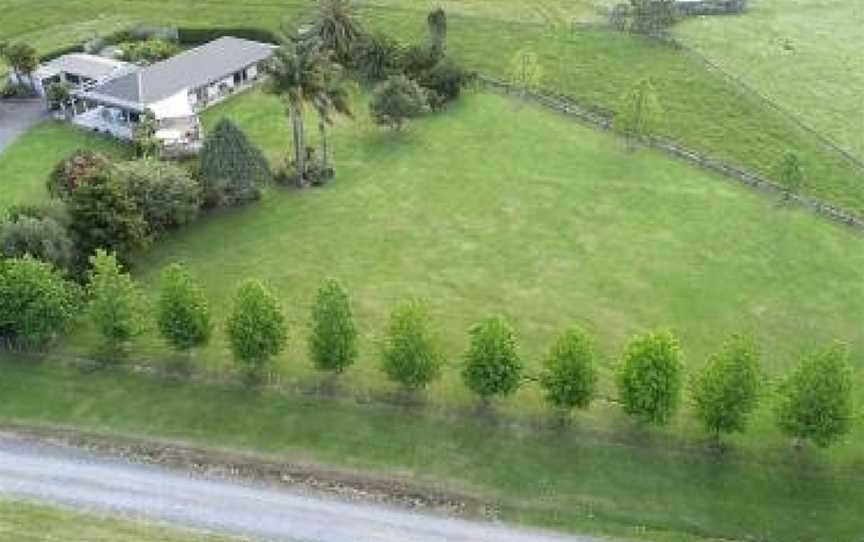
<point x="299" y="150"/>
<point x="325" y="158"/>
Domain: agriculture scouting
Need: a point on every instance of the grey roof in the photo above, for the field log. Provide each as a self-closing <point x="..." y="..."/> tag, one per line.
<point x="92" y="66"/>
<point x="193" y="68"/>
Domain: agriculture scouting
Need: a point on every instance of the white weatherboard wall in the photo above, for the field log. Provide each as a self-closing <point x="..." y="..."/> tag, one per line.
<point x="176" y="106"/>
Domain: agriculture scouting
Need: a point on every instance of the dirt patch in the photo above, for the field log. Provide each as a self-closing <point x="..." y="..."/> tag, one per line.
<point x="230" y="464"/>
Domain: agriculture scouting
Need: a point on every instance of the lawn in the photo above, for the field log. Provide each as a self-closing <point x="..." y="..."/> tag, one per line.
<point x="804" y="54"/>
<point x="28" y="522"/>
<point x="634" y="487"/>
<point x="27" y="162"/>
<point x="703" y="110"/>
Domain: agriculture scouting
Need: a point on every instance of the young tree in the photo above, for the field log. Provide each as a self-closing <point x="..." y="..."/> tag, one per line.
<point x="410" y="355"/>
<point x="649" y="377"/>
<point x="638" y="113"/>
<point x="184" y="316"/>
<point x="36" y="303"/>
<point x="492" y="364"/>
<point x="437" y="22"/>
<point x="569" y="375"/>
<point x="726" y="390"/>
<point x="526" y="71"/>
<point x="333" y="341"/>
<point x="231" y="166"/>
<point x="256" y="328"/>
<point x="790" y="174"/>
<point x="117" y="306"/>
<point x="337" y="28"/>
<point x="396" y="100"/>
<point x="68" y="173"/>
<point x="57" y="95"/>
<point x="816" y="400"/>
<point x="144" y="138"/>
<point x="164" y="192"/>
<point x="297" y="74"/>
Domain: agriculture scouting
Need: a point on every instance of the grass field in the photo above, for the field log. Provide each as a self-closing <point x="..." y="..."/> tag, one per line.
<point x="804" y="54"/>
<point x="27" y="522"/>
<point x="634" y="487"/>
<point x="595" y="66"/>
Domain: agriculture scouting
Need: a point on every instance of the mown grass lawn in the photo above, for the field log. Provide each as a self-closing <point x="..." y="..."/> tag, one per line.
<point x="29" y="522"/>
<point x="27" y="162"/>
<point x="805" y="54"/>
<point x="596" y="66"/>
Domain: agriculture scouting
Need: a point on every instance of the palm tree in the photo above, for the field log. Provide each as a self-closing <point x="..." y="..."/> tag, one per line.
<point x="334" y="97"/>
<point x="297" y="74"/>
<point x="337" y="28"/>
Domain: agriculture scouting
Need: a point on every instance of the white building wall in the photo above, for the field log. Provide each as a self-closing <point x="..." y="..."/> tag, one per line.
<point x="175" y="106"/>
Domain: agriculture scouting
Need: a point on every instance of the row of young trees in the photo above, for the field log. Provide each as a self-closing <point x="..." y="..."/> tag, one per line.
<point x="814" y="402"/>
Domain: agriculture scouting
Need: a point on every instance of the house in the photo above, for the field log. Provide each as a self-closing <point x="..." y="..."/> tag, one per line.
<point x="174" y="90"/>
<point x="78" y="69"/>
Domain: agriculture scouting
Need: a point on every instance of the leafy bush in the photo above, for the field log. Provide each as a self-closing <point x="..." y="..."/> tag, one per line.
<point x="816" y="400"/>
<point x="148" y="51"/>
<point x="378" y="56"/>
<point x="42" y="238"/>
<point x="36" y="303"/>
<point x="17" y="90"/>
<point x="333" y="341"/>
<point x="231" y="167"/>
<point x="256" y="328"/>
<point x="726" y="390"/>
<point x="183" y="316"/>
<point x="117" y="305"/>
<point x="164" y="192"/>
<point x="417" y="59"/>
<point x="410" y="355"/>
<point x="649" y="377"/>
<point x="68" y="173"/>
<point x="397" y="100"/>
<point x="446" y="80"/>
<point x="492" y="364"/>
<point x="569" y="376"/>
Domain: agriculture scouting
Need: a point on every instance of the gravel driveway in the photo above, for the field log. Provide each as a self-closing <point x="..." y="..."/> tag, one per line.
<point x="16" y="116"/>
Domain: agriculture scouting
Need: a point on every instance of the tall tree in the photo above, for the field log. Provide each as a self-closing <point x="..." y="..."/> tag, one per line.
<point x="337" y="28"/>
<point x="298" y="75"/>
<point x="333" y="98"/>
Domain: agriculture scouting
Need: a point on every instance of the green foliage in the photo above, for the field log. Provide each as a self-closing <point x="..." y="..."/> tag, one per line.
<point x="58" y="94"/>
<point x="148" y="51"/>
<point x="410" y="355"/>
<point x="639" y="111"/>
<point x="726" y="389"/>
<point x="184" y="316"/>
<point x="652" y="17"/>
<point x="526" y="71"/>
<point x="396" y="100"/>
<point x="649" y="377"/>
<point x="231" y="166"/>
<point x="437" y="23"/>
<point x="492" y="364"/>
<point x="816" y="400"/>
<point x="42" y="238"/>
<point x="445" y="79"/>
<point x="144" y="135"/>
<point x="569" y="375"/>
<point x="378" y="56"/>
<point x="103" y="215"/>
<point x="790" y="174"/>
<point x="333" y="340"/>
<point x="21" y="57"/>
<point x="36" y="303"/>
<point x="164" y="192"/>
<point x="67" y="174"/>
<point x="337" y="28"/>
<point x="117" y="305"/>
<point x="416" y="59"/>
<point x="256" y="328"/>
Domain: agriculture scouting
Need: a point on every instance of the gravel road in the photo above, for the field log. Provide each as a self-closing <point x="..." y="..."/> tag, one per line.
<point x="59" y="475"/>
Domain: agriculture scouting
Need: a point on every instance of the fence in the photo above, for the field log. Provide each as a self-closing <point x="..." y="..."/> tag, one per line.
<point x="603" y="120"/>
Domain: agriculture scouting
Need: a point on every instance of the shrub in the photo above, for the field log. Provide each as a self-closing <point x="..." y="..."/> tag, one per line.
<point x="147" y="51"/>
<point x="816" y="400"/>
<point x="17" y="90"/>
<point x="333" y="341"/>
<point x="726" y="390"/>
<point x="569" y="375"/>
<point x="117" y="305"/>
<point x="397" y="100"/>
<point x="378" y="56"/>
<point x="410" y="355"/>
<point x="36" y="303"/>
<point x="649" y="377"/>
<point x="184" y="316"/>
<point x="256" y="328"/>
<point x="68" y="173"/>
<point x="416" y="59"/>
<point x="446" y="80"/>
<point x="790" y="174"/>
<point x="492" y="364"/>
<point x="103" y="215"/>
<point x="165" y="193"/>
<point x="42" y="238"/>
<point x="231" y="167"/>
<point x="638" y="113"/>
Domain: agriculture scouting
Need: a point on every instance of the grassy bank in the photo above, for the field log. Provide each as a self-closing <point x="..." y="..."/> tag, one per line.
<point x="28" y="522"/>
<point x="570" y="480"/>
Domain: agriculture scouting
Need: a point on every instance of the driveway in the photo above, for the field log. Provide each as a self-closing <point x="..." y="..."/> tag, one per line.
<point x="16" y="116"/>
<point x="44" y="472"/>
